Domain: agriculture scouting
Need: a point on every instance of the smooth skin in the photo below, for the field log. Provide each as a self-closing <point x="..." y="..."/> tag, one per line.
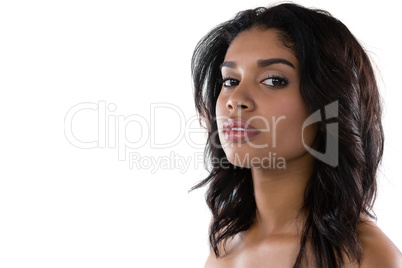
<point x="253" y="91"/>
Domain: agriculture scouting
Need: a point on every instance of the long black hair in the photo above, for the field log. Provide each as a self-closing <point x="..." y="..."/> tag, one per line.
<point x="333" y="67"/>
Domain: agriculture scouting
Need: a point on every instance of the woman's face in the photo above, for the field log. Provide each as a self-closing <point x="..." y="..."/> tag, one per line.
<point x="260" y="112"/>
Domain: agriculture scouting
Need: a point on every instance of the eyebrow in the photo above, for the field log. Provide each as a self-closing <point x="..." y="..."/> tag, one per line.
<point x="260" y="63"/>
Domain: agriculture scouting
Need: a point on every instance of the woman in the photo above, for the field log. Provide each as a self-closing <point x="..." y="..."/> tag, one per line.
<point x="290" y="186"/>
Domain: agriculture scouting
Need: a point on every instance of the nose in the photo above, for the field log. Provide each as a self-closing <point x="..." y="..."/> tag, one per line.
<point x="241" y="99"/>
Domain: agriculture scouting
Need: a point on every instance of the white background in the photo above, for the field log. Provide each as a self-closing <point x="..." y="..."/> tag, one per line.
<point x="62" y="206"/>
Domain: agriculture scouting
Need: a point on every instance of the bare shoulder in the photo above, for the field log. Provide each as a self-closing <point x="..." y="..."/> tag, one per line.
<point x="378" y="249"/>
<point x="229" y="252"/>
<point x="211" y="261"/>
<point x="224" y="249"/>
<point x="214" y="262"/>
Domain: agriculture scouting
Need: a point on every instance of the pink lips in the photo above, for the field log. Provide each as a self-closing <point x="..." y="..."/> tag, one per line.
<point x="237" y="130"/>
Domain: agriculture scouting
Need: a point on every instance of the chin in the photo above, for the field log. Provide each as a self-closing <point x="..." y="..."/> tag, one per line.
<point x="254" y="158"/>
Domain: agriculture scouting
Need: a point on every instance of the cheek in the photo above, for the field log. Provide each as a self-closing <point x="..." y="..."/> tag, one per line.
<point x="221" y="114"/>
<point x="289" y="131"/>
<point x="220" y="107"/>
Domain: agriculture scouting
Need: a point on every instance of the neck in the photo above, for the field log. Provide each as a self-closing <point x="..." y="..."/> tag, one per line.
<point x="279" y="195"/>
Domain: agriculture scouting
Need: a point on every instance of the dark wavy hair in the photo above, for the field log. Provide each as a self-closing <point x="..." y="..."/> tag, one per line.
<point x="333" y="67"/>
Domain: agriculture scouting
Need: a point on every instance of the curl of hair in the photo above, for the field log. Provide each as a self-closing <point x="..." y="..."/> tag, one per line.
<point x="333" y="67"/>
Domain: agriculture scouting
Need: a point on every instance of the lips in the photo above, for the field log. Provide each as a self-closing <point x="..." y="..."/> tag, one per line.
<point x="237" y="130"/>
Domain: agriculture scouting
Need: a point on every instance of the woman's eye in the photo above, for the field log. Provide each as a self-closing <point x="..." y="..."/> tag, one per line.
<point x="229" y="82"/>
<point x="275" y="82"/>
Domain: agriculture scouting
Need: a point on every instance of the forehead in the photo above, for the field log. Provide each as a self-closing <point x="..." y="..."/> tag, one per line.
<point x="256" y="44"/>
